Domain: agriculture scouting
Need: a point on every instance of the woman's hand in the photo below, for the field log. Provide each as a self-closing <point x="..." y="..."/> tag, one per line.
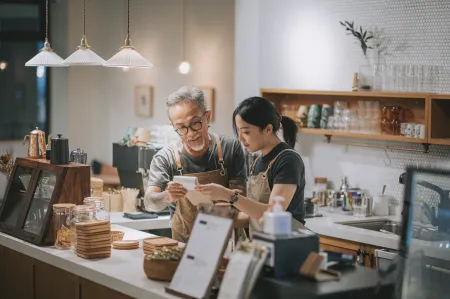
<point x="176" y="191"/>
<point x="216" y="191"/>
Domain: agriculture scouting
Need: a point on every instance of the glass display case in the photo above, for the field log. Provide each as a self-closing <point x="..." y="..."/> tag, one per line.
<point x="424" y="262"/>
<point x="35" y="185"/>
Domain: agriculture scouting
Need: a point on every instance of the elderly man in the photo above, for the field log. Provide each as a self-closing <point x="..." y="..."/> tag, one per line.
<point x="209" y="157"/>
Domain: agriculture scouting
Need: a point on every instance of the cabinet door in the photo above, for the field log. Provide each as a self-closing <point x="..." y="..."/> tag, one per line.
<point x="92" y="290"/>
<point x="16" y="278"/>
<point x="54" y="283"/>
<point x="13" y="203"/>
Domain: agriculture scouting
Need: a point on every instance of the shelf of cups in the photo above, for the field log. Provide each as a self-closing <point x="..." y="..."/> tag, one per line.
<point x="386" y="137"/>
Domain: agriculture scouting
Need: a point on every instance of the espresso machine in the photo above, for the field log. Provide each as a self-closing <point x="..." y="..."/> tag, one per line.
<point x="133" y="164"/>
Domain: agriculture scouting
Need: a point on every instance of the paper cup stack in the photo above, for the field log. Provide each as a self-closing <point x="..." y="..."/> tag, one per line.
<point x="93" y="239"/>
<point x="126" y="244"/>
<point x="97" y="187"/>
<point x="153" y="244"/>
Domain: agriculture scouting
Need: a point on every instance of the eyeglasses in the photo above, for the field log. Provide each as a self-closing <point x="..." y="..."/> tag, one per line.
<point x="194" y="126"/>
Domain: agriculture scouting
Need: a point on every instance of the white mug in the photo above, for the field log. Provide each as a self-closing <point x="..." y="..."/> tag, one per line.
<point x="411" y="131"/>
<point x="419" y="131"/>
<point x="403" y="127"/>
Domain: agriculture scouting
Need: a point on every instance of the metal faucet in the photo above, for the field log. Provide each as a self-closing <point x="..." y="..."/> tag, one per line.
<point x="442" y="220"/>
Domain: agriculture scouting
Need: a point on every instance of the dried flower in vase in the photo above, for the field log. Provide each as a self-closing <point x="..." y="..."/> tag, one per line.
<point x="363" y="36"/>
<point x="6" y="164"/>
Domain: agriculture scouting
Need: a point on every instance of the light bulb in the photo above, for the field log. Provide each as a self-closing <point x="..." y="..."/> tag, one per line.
<point x="184" y="67"/>
<point x="3" y="65"/>
<point x="125" y="69"/>
<point x="40" y="71"/>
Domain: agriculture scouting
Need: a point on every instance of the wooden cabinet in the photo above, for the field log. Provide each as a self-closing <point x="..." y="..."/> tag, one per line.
<point x="91" y="290"/>
<point x="16" y="275"/>
<point x="363" y="253"/>
<point x="431" y="110"/>
<point x="26" y="278"/>
<point x="54" y="283"/>
<point x="35" y="185"/>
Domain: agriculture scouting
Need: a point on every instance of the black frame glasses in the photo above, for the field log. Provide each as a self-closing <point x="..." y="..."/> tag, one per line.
<point x="194" y="126"/>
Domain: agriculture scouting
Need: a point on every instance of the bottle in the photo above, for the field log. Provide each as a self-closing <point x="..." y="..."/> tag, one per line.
<point x="344" y="184"/>
<point x="277" y="222"/>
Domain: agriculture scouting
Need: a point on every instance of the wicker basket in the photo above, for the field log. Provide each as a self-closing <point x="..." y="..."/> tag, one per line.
<point x="162" y="270"/>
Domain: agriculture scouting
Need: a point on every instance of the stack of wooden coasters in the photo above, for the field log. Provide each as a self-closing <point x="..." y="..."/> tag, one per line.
<point x="151" y="245"/>
<point x="94" y="239"/>
<point x="125" y="244"/>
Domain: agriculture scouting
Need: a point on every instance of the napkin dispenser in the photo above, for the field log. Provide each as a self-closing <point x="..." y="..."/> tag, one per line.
<point x="287" y="253"/>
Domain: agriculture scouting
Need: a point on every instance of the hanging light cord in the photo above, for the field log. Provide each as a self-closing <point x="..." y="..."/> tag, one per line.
<point x="183" y="31"/>
<point x="128" y="22"/>
<point x="46" y="21"/>
<point x="84" y="17"/>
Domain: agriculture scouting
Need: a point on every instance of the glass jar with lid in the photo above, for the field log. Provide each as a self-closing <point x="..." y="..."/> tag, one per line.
<point x="97" y="202"/>
<point x="61" y="224"/>
<point x="81" y="213"/>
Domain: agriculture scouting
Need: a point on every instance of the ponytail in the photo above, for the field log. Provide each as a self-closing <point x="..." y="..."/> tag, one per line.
<point x="289" y="130"/>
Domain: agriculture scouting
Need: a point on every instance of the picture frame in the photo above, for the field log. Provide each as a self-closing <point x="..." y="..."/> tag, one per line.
<point x="209" y="94"/>
<point x="143" y="100"/>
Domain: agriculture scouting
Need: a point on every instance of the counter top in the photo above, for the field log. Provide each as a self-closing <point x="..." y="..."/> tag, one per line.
<point x="122" y="272"/>
<point x="329" y="225"/>
<point x="142" y="224"/>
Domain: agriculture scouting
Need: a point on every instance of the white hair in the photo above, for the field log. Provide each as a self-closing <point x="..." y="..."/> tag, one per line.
<point x="187" y="94"/>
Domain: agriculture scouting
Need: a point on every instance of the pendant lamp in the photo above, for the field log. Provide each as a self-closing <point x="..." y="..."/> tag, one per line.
<point x="46" y="56"/>
<point x="128" y="57"/>
<point x="184" y="67"/>
<point x="84" y="55"/>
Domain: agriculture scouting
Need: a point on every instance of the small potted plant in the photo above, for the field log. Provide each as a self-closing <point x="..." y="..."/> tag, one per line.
<point x="363" y="37"/>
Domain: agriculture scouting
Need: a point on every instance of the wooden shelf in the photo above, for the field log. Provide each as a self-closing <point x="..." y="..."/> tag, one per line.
<point x="403" y="95"/>
<point x="441" y="141"/>
<point x="430" y="109"/>
<point x="362" y="135"/>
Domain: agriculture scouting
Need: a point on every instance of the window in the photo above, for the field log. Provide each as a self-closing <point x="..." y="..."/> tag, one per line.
<point x="24" y="91"/>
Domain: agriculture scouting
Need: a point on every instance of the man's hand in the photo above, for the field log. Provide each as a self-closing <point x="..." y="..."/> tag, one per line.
<point x="176" y="191"/>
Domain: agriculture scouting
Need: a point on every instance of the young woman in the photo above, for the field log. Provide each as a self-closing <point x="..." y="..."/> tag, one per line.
<point x="279" y="171"/>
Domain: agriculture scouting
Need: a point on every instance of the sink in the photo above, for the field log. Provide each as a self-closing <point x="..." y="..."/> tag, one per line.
<point x="378" y="225"/>
<point x="419" y="232"/>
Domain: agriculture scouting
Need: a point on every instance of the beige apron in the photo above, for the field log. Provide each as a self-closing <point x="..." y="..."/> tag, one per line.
<point x="185" y="212"/>
<point x="259" y="190"/>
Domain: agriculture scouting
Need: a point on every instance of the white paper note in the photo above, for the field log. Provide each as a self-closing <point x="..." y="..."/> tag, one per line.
<point x="188" y="182"/>
<point x="193" y="196"/>
<point x="200" y="259"/>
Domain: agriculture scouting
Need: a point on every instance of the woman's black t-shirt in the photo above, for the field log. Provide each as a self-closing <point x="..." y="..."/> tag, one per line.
<point x="288" y="168"/>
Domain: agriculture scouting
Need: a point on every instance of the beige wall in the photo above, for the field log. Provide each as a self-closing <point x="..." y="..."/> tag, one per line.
<point x="94" y="105"/>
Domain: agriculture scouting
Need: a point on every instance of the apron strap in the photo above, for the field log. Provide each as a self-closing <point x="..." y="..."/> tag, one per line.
<point x="177" y="157"/>
<point x="220" y="153"/>
<point x="253" y="166"/>
<point x="274" y="159"/>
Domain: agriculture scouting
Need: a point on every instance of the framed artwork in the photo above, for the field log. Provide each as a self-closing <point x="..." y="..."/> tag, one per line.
<point x="209" y="99"/>
<point x="143" y="100"/>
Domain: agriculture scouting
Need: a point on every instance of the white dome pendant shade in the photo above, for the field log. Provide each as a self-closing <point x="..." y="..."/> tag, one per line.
<point x="84" y="55"/>
<point x="46" y="56"/>
<point x="128" y="57"/>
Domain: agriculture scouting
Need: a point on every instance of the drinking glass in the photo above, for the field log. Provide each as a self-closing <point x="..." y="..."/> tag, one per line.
<point x="401" y="78"/>
<point x="410" y="78"/>
<point x="419" y="78"/>
<point x="392" y="78"/>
